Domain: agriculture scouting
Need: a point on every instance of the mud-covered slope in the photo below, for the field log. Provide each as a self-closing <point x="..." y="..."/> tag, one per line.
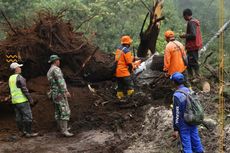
<point x="102" y="125"/>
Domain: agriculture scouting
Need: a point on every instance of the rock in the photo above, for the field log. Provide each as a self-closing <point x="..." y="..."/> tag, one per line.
<point x="210" y="123"/>
<point x="228" y="116"/>
<point x="206" y="87"/>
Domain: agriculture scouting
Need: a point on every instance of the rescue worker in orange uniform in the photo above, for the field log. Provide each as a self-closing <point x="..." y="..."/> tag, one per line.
<point x="174" y="50"/>
<point x="124" y="68"/>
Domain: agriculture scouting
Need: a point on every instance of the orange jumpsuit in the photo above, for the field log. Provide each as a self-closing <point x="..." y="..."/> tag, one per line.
<point x="124" y="65"/>
<point x="124" y="58"/>
<point x="173" y="61"/>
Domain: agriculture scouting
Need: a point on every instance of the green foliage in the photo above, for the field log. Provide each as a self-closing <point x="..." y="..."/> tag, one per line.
<point x="15" y="10"/>
<point x="110" y="19"/>
<point x="172" y="22"/>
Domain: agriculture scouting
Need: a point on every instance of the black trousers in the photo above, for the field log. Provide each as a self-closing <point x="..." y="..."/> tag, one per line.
<point x="193" y="64"/>
<point x="23" y="117"/>
<point x="124" y="84"/>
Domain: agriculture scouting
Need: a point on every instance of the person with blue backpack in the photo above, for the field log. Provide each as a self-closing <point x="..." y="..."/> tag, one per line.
<point x="188" y="133"/>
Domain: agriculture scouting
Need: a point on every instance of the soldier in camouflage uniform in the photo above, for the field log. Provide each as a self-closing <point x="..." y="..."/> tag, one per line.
<point x="59" y="95"/>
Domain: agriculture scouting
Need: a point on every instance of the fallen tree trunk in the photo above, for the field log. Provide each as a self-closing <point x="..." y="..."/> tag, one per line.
<point x="221" y="30"/>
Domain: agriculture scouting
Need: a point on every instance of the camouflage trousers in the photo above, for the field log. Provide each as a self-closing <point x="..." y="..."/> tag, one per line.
<point x="61" y="107"/>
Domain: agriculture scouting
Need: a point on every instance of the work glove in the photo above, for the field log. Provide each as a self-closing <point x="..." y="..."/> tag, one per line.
<point x="167" y="75"/>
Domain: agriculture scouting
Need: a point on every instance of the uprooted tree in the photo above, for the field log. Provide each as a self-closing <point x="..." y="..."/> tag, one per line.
<point x="51" y="35"/>
<point x="82" y="61"/>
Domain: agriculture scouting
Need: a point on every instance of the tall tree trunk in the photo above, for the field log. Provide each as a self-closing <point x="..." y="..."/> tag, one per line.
<point x="148" y="38"/>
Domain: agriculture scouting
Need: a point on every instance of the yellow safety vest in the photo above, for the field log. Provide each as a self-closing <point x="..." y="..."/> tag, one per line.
<point x="17" y="95"/>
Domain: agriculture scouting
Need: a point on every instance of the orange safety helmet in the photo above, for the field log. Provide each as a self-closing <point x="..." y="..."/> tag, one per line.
<point x="169" y="34"/>
<point x="126" y="40"/>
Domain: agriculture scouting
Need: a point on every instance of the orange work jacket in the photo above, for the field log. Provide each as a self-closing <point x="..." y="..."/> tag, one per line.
<point x="173" y="61"/>
<point x="124" y="58"/>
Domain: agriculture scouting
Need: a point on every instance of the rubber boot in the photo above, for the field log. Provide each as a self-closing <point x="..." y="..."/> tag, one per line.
<point x="59" y="126"/>
<point x="120" y="95"/>
<point x="64" y="129"/>
<point x="28" y="130"/>
<point x="130" y="92"/>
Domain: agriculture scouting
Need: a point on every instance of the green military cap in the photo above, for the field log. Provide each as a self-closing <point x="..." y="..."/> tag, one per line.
<point x="53" y="58"/>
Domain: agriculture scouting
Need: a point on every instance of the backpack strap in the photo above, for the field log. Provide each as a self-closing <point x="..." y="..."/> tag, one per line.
<point x="197" y="22"/>
<point x="178" y="48"/>
<point x="119" y="55"/>
<point x="181" y="91"/>
<point x="185" y="93"/>
<point x="182" y="54"/>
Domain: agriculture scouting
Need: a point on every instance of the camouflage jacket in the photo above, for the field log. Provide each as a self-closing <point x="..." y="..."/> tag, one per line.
<point x="56" y="80"/>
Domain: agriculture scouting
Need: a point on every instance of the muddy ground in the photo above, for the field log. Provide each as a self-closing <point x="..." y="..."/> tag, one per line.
<point x="101" y="125"/>
<point x="98" y="126"/>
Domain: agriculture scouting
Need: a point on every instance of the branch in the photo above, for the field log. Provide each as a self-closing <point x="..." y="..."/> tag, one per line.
<point x="211" y="70"/>
<point x="60" y="13"/>
<point x="159" y="19"/>
<point x="72" y="51"/>
<point x="142" y="28"/>
<point x="86" y="61"/>
<point x="145" y="5"/>
<point x="206" y="58"/>
<point x="59" y="39"/>
<point x="8" y="22"/>
<point x="87" y="20"/>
